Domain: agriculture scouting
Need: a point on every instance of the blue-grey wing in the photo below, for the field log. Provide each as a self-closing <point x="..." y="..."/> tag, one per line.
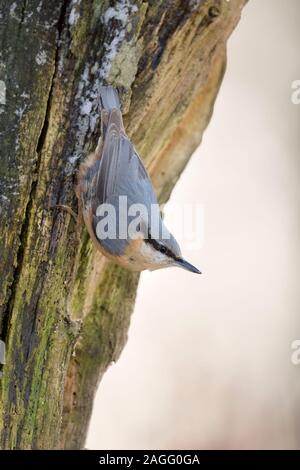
<point x="119" y="173"/>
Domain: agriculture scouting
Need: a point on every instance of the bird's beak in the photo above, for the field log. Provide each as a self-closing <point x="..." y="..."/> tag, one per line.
<point x="181" y="263"/>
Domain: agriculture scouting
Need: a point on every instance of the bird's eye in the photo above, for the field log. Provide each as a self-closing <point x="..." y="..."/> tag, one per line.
<point x="162" y="249"/>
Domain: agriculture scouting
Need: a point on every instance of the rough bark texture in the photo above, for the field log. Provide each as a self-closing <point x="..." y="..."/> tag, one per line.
<point x="64" y="310"/>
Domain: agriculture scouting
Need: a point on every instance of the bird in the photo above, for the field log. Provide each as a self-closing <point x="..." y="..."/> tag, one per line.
<point x="111" y="176"/>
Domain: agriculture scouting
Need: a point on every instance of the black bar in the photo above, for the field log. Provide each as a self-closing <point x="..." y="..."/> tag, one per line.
<point x="136" y="459"/>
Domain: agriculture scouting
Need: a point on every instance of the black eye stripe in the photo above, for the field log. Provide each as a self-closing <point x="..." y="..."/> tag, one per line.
<point x="162" y="248"/>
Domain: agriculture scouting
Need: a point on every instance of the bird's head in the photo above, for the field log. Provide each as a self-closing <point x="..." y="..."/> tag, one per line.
<point x="148" y="252"/>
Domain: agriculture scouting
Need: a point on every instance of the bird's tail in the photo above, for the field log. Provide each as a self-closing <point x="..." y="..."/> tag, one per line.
<point x="109" y="98"/>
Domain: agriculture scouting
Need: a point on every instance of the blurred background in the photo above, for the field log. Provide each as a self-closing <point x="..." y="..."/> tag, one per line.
<point x="208" y="361"/>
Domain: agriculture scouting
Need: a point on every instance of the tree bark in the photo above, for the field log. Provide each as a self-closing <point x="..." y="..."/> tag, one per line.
<point x="64" y="309"/>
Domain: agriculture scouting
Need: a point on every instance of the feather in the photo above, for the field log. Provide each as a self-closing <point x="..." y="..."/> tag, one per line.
<point x="116" y="170"/>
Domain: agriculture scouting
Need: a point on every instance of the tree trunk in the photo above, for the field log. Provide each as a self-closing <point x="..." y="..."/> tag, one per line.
<point x="64" y="309"/>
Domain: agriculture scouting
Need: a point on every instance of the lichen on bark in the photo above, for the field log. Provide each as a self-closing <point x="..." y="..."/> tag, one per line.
<point x="64" y="309"/>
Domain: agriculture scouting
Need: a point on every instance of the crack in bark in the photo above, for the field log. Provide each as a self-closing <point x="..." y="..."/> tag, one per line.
<point x="24" y="6"/>
<point x="22" y="18"/>
<point x="34" y="182"/>
<point x="24" y="232"/>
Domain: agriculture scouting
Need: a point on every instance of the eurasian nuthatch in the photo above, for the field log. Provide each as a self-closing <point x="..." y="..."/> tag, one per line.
<point x="115" y="172"/>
